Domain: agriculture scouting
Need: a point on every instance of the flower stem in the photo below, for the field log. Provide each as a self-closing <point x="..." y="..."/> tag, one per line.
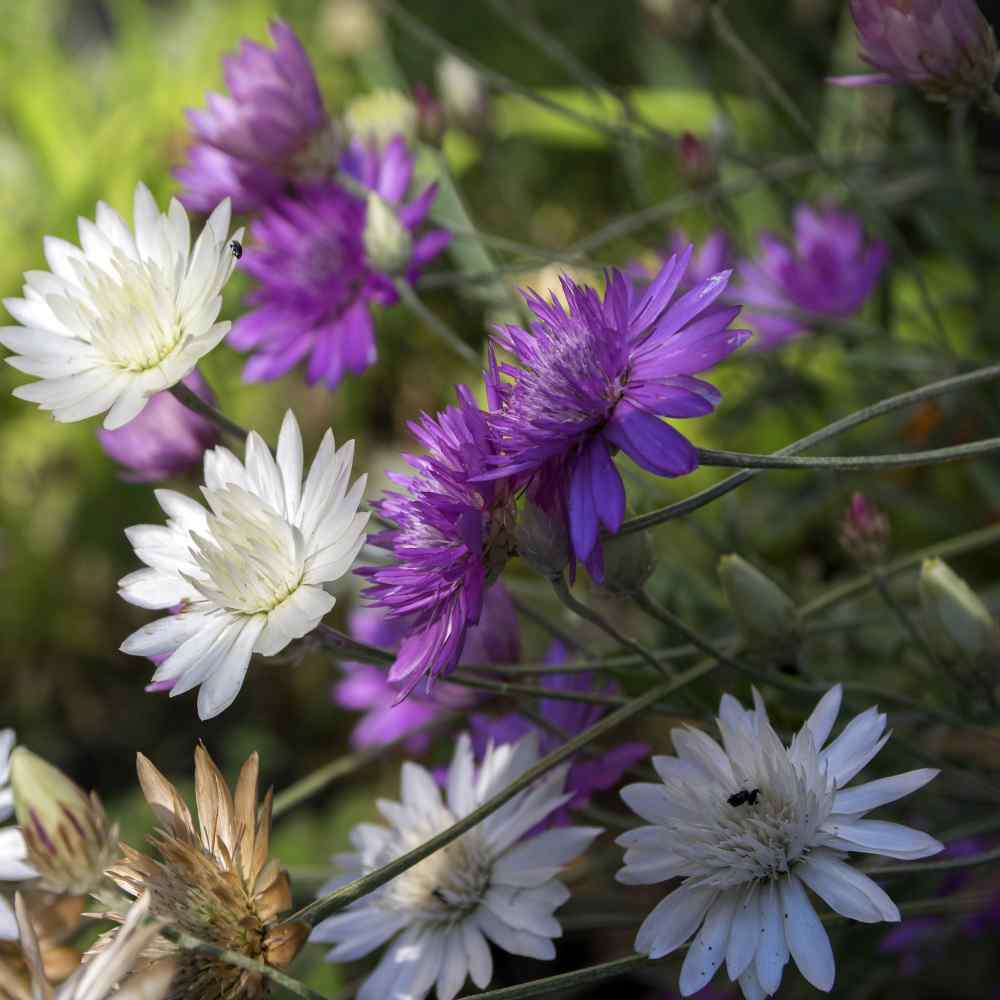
<point x="981" y="375"/>
<point x="936" y="866"/>
<point x="444" y="332"/>
<point x="344" y="644"/>
<point x="195" y="403"/>
<point x="850" y="463"/>
<point x="368" y="883"/>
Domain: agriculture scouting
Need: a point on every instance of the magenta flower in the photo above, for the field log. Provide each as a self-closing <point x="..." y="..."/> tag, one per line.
<point x="165" y="440"/>
<point x="944" y="47"/>
<point x="316" y="285"/>
<point x="827" y="273"/>
<point x="714" y="255"/>
<point x="450" y="538"/>
<point x="864" y="530"/>
<point x="596" y="377"/>
<point x="365" y="688"/>
<point x="588" y="774"/>
<point x="250" y="143"/>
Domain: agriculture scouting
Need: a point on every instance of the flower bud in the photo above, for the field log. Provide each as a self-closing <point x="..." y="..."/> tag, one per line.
<point x="69" y="839"/>
<point x="628" y="562"/>
<point x="430" y="115"/>
<point x="864" y="531"/>
<point x="695" y="160"/>
<point x="379" y="116"/>
<point x="765" y="614"/>
<point x="956" y="621"/>
<point x="350" y="27"/>
<point x="462" y="92"/>
<point x="542" y="541"/>
<point x="677" y="20"/>
<point x="388" y="243"/>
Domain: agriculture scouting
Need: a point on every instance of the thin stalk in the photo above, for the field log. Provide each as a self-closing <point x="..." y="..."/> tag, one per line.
<point x="346" y="646"/>
<point x="568" y="980"/>
<point x="195" y="403"/>
<point x="849" y="463"/>
<point x="531" y="612"/>
<point x="437" y="325"/>
<point x="979" y="376"/>
<point x="592" y="616"/>
<point x="949" y="864"/>
<point x="368" y="883"/>
<point x="903" y="616"/>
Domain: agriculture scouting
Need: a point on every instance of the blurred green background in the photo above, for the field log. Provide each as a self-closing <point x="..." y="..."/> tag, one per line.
<point x="92" y="96"/>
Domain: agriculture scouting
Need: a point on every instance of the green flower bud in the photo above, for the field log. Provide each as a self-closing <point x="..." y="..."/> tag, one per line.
<point x="628" y="563"/>
<point x="379" y="116"/>
<point x="388" y="243"/>
<point x="765" y="614"/>
<point x="69" y="839"/>
<point x="541" y="541"/>
<point x="957" y="623"/>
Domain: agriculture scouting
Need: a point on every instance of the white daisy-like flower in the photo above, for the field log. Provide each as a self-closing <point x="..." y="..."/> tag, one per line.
<point x="748" y="826"/>
<point x="14" y="865"/>
<point x="491" y="884"/>
<point x="123" y="318"/>
<point x="250" y="573"/>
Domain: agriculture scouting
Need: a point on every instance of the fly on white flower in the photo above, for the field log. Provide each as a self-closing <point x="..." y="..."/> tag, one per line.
<point x="490" y="884"/>
<point x="14" y="866"/>
<point x="746" y="859"/>
<point x="251" y="572"/>
<point x="123" y="318"/>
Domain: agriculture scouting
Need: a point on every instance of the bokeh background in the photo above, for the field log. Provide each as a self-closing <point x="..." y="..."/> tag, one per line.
<point x="92" y="99"/>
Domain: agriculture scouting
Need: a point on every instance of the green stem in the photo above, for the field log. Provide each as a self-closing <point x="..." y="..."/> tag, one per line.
<point x="849" y="463"/>
<point x="196" y="404"/>
<point x="444" y="332"/>
<point x="909" y="867"/>
<point x="706" y="496"/>
<point x="366" y="884"/>
<point x="347" y="646"/>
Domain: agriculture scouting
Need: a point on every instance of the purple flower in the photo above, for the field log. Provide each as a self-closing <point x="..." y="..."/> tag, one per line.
<point x="597" y="376"/>
<point x="588" y="774"/>
<point x="864" y="530"/>
<point x="945" y="47"/>
<point x="496" y="639"/>
<point x="247" y="143"/>
<point x="714" y="255"/>
<point x="165" y="440"/>
<point x="827" y="273"/>
<point x="315" y="282"/>
<point x="451" y="537"/>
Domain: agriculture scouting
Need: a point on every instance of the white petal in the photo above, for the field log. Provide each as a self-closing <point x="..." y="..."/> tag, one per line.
<point x="541" y="857"/>
<point x="846" y="890"/>
<point x="877" y="793"/>
<point x="221" y="689"/>
<point x="294" y="618"/>
<point x="745" y="933"/>
<point x="709" y="946"/>
<point x="420" y="791"/>
<point x="478" y="954"/>
<point x="858" y="737"/>
<point x="461" y="775"/>
<point x="772" y="951"/>
<point x="513" y="941"/>
<point x="674" y="919"/>
<point x="454" y="966"/>
<point x="290" y="464"/>
<point x="8" y="922"/>
<point x="806" y="936"/>
<point x="824" y="715"/>
<point x="892" y="840"/>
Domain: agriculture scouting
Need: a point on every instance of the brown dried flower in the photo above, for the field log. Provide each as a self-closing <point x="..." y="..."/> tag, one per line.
<point x="213" y="882"/>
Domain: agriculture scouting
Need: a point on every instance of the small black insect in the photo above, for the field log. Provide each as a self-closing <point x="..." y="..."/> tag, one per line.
<point x="237" y="248"/>
<point x="750" y="797"/>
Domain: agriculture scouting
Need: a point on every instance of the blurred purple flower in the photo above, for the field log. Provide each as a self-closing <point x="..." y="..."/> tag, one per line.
<point x="496" y="639"/>
<point x="714" y="255"/>
<point x="827" y="273"/>
<point x="588" y="774"/>
<point x="246" y="143"/>
<point x="864" y="530"/>
<point x="166" y="439"/>
<point x="452" y="535"/>
<point x="596" y="377"/>
<point x="945" y="47"/>
<point x="316" y="285"/>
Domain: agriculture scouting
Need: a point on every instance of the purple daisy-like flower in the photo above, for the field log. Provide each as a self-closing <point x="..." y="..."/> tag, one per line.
<point x="165" y="440"/>
<point x="451" y="535"/>
<point x="945" y="47"/>
<point x="587" y="774"/>
<point x="316" y="284"/>
<point x="597" y="376"/>
<point x="249" y="144"/>
<point x="827" y="272"/>
<point x="365" y="688"/>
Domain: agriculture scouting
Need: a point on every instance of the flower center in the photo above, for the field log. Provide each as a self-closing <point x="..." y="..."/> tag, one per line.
<point x="253" y="559"/>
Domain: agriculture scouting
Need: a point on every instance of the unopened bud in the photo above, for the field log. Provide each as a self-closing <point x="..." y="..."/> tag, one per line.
<point x="388" y="243"/>
<point x="430" y="115"/>
<point x="542" y="541"/>
<point x="69" y="839"/>
<point x="764" y="613"/>
<point x="956" y="621"/>
<point x="350" y="27"/>
<point x="462" y="92"/>
<point x="379" y="116"/>
<point x="628" y="563"/>
<point x="676" y="19"/>
<point x="864" y="531"/>
<point x="695" y="160"/>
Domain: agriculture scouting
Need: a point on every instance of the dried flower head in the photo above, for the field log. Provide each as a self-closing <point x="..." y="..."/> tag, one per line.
<point x="51" y="920"/>
<point x="214" y="880"/>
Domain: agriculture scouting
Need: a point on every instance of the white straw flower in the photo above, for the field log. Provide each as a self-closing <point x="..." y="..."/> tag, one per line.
<point x="748" y="826"/>
<point x="488" y="885"/>
<point x="14" y="866"/>
<point x="251" y="572"/>
<point x="124" y="317"/>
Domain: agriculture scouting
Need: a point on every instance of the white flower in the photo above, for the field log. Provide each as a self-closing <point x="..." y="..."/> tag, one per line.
<point x="123" y="318"/>
<point x="13" y="851"/>
<point x="748" y="827"/>
<point x="484" y="886"/>
<point x="251" y="572"/>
